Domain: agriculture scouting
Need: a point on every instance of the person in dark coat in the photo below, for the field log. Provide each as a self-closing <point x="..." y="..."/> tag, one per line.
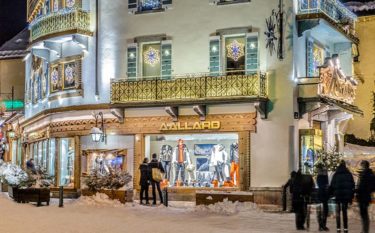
<point x="289" y="184"/>
<point x="302" y="188"/>
<point x="365" y="187"/>
<point x="145" y="180"/>
<point x="31" y="166"/>
<point x="342" y="188"/>
<point x="156" y="164"/>
<point x="323" y="196"/>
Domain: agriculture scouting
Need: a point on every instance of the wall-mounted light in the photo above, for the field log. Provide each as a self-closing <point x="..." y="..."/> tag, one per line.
<point x="98" y="134"/>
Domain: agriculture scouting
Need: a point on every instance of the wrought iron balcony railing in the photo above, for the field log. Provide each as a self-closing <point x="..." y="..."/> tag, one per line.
<point x="332" y="9"/>
<point x="64" y="21"/>
<point x="197" y="88"/>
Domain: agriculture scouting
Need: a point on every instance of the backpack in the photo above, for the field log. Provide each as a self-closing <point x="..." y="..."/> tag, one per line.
<point x="157" y="175"/>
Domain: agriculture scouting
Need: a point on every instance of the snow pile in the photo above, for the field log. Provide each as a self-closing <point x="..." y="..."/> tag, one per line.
<point x="353" y="213"/>
<point x="228" y="208"/>
<point x="98" y="200"/>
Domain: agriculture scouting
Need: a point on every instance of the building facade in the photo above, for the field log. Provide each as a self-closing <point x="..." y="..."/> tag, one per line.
<point x="221" y="90"/>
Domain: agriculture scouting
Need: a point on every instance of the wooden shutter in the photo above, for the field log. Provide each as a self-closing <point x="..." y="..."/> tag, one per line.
<point x="215" y="55"/>
<point x="132" y="60"/>
<point x="132" y="6"/>
<point x="166" y="59"/>
<point x="166" y="3"/>
<point x="252" y="53"/>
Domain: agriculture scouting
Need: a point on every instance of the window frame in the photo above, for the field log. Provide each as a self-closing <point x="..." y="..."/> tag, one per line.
<point x="137" y="9"/>
<point x="228" y="2"/>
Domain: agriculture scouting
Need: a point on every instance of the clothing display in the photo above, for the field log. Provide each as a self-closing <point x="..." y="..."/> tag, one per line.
<point x="234" y="160"/>
<point x="180" y="158"/>
<point x="166" y="153"/>
<point x="219" y="158"/>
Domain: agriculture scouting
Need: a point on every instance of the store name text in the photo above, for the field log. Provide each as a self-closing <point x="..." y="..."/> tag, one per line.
<point x="204" y="125"/>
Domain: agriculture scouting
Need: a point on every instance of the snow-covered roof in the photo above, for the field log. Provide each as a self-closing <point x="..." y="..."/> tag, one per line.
<point x="15" y="47"/>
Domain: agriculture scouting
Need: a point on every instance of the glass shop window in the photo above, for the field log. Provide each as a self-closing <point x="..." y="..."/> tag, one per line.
<point x="197" y="160"/>
<point x="66" y="170"/>
<point x="14" y="152"/>
<point x="235" y="54"/>
<point x="35" y="153"/>
<point x="52" y="157"/>
<point x="151" y="60"/>
<point x="40" y="154"/>
<point x="19" y="152"/>
<point x="103" y="160"/>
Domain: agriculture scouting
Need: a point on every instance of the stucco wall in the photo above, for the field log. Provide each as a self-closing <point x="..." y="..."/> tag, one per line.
<point x="12" y="73"/>
<point x="359" y="126"/>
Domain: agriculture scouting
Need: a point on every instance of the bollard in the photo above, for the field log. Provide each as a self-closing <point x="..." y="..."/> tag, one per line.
<point x="61" y="196"/>
<point x="165" y="201"/>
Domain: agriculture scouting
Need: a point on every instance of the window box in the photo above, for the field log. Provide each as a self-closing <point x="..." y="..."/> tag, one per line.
<point x="228" y="2"/>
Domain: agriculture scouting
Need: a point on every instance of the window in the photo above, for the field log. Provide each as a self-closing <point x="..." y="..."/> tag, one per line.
<point x="52" y="157"/>
<point x="66" y="170"/>
<point x="315" y="58"/>
<point x="14" y="152"/>
<point x="234" y="54"/>
<point x="155" y="59"/>
<point x="142" y="6"/>
<point x="65" y="74"/>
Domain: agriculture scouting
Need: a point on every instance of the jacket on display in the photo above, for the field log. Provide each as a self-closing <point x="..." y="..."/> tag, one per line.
<point x="234" y="156"/>
<point x="342" y="185"/>
<point x="185" y="155"/>
<point x="218" y="155"/>
<point x="166" y="153"/>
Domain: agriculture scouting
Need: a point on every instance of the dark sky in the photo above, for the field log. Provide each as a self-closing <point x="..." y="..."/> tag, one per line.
<point x="12" y="18"/>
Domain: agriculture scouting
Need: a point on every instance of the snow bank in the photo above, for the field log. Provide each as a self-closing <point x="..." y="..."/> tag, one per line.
<point x="228" y="208"/>
<point x="98" y="200"/>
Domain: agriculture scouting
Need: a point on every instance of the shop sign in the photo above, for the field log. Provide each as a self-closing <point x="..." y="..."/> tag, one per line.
<point x="177" y="126"/>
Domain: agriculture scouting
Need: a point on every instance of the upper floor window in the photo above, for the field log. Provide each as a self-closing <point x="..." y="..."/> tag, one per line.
<point x="234" y="54"/>
<point x="150" y="59"/>
<point x="138" y="6"/>
<point x="315" y="55"/>
<point x="224" y="2"/>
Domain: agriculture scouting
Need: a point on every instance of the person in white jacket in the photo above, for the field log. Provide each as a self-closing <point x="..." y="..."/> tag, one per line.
<point x="219" y="157"/>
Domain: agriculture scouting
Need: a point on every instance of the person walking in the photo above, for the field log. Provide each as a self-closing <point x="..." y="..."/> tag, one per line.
<point x="154" y="183"/>
<point x="323" y="196"/>
<point x="31" y="166"/>
<point x="286" y="187"/>
<point x="145" y="181"/>
<point x="302" y="189"/>
<point x="342" y="188"/>
<point x="365" y="187"/>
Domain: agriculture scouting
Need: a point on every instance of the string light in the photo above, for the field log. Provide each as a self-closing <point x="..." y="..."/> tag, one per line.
<point x="235" y="50"/>
<point x="151" y="56"/>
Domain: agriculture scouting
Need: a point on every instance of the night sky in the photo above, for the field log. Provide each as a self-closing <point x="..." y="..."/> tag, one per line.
<point x="12" y="18"/>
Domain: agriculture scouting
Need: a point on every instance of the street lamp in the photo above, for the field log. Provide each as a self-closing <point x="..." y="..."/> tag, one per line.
<point x="97" y="134"/>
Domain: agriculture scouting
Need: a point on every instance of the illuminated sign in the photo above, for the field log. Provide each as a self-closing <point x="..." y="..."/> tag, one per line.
<point x="204" y="125"/>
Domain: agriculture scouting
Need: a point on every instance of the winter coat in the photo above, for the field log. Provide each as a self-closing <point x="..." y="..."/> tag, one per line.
<point x="218" y="155"/>
<point x="342" y="185"/>
<point x="155" y="164"/>
<point x="185" y="155"/>
<point x="145" y="174"/>
<point x="366" y="183"/>
<point x="166" y="153"/>
<point x="303" y="185"/>
<point x="323" y="185"/>
<point x="30" y="166"/>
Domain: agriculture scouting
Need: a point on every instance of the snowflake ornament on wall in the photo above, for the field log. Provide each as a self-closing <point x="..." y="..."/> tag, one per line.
<point x="70" y="3"/>
<point x="235" y="50"/>
<point x="275" y="31"/>
<point x="151" y="56"/>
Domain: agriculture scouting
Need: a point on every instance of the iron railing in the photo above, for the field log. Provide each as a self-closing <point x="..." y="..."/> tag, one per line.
<point x="189" y="88"/>
<point x="64" y="20"/>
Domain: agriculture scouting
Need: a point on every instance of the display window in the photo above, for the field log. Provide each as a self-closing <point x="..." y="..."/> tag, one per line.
<point x="51" y="157"/>
<point x="14" y="152"/>
<point x="197" y="160"/>
<point x="103" y="160"/>
<point x="66" y="159"/>
<point x="19" y="153"/>
<point x="310" y="142"/>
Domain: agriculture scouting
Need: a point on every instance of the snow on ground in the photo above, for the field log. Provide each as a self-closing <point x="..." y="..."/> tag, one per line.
<point x="98" y="214"/>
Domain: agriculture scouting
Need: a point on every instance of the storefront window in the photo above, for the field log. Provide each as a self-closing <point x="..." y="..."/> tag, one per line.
<point x="40" y="154"/>
<point x="52" y="157"/>
<point x="66" y="152"/>
<point x="197" y="160"/>
<point x="14" y="152"/>
<point x="35" y="153"/>
<point x="19" y="153"/>
<point x="44" y="154"/>
<point x="104" y="160"/>
<point x="311" y="140"/>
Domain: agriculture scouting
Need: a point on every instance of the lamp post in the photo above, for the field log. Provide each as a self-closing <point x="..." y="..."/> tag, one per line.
<point x="97" y="134"/>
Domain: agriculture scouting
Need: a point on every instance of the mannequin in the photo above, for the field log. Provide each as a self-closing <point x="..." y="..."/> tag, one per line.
<point x="218" y="159"/>
<point x="181" y="159"/>
<point x="166" y="153"/>
<point x="234" y="161"/>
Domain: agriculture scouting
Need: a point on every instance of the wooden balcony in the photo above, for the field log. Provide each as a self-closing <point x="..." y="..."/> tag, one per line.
<point x="63" y="22"/>
<point x="190" y="89"/>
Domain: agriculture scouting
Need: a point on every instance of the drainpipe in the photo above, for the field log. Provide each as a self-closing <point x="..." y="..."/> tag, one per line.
<point x="97" y="50"/>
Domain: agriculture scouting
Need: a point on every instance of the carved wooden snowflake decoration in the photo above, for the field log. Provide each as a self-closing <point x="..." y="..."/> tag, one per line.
<point x="151" y="56"/>
<point x="70" y="3"/>
<point x="271" y="34"/>
<point x="236" y="50"/>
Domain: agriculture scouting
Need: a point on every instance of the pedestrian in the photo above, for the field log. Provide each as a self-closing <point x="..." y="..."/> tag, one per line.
<point x="155" y="183"/>
<point x="342" y="188"/>
<point x="31" y="166"/>
<point x="289" y="184"/>
<point x="323" y="196"/>
<point x="302" y="189"/>
<point x="145" y="180"/>
<point x="365" y="187"/>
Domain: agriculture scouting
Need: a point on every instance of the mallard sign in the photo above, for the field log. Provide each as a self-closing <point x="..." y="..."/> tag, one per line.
<point x="181" y="126"/>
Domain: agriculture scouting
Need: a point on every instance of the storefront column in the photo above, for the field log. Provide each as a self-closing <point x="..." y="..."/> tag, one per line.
<point x="139" y="154"/>
<point x="77" y="162"/>
<point x="244" y="152"/>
